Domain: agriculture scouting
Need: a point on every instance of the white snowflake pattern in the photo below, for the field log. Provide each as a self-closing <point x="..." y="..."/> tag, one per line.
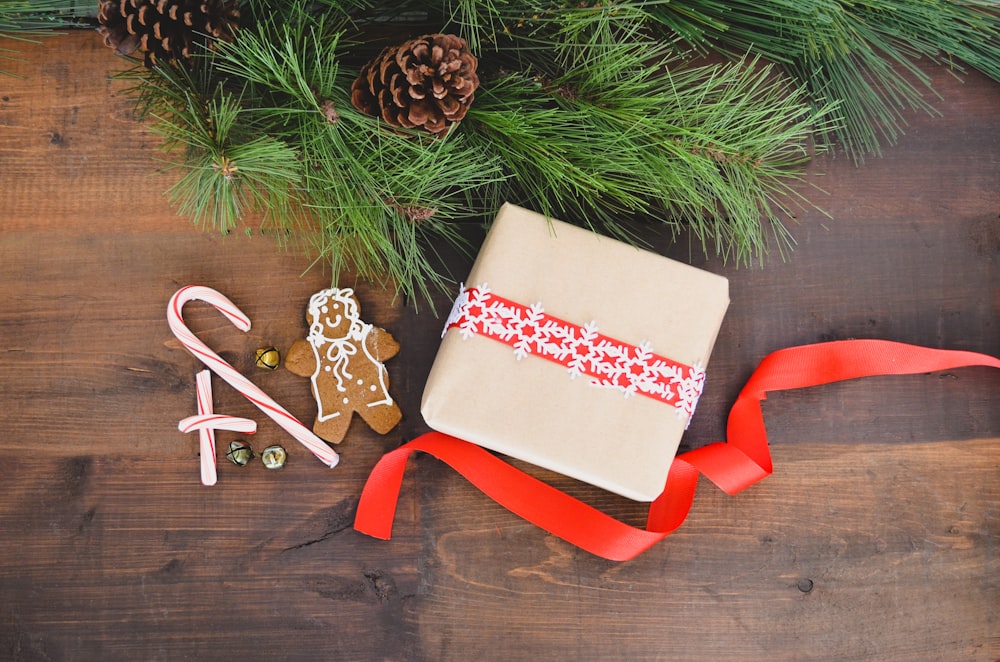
<point x="631" y="369"/>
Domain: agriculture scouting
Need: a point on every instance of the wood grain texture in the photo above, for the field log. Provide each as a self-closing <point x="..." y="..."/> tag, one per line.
<point x="878" y="536"/>
<point x="859" y="552"/>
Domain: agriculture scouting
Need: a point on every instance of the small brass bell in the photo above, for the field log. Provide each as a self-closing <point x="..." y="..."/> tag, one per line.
<point x="240" y="453"/>
<point x="267" y="358"/>
<point x="273" y="457"/>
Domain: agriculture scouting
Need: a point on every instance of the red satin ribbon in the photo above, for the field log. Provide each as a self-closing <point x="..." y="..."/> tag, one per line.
<point x="733" y="466"/>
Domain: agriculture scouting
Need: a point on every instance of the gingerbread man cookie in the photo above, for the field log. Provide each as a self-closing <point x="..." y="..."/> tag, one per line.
<point x="343" y="358"/>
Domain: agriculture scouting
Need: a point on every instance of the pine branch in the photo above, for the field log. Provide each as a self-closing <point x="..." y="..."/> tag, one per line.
<point x="581" y="114"/>
<point x="228" y="170"/>
<point x="39" y="16"/>
<point x="861" y="54"/>
<point x="22" y="21"/>
<point x="615" y="126"/>
<point x="375" y="198"/>
<point x="473" y="19"/>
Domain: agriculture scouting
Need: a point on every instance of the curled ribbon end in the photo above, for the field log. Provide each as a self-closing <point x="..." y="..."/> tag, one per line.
<point x="378" y="535"/>
<point x="733" y="465"/>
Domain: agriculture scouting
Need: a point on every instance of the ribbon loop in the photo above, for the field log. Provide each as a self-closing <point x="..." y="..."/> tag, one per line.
<point x="733" y="465"/>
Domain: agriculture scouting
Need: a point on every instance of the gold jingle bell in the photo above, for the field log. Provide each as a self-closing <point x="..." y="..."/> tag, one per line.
<point x="267" y="358"/>
<point x="273" y="457"/>
<point x="240" y="453"/>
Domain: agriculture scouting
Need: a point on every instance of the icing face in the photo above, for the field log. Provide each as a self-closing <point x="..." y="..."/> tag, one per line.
<point x="332" y="313"/>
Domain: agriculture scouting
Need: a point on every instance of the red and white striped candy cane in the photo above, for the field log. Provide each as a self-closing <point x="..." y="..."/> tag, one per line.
<point x="207" y="422"/>
<point x="230" y="375"/>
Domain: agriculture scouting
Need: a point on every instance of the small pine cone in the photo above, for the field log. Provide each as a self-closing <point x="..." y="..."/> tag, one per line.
<point x="428" y="82"/>
<point x="164" y="30"/>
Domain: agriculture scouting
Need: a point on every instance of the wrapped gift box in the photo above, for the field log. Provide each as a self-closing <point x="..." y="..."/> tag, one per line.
<point x="575" y="352"/>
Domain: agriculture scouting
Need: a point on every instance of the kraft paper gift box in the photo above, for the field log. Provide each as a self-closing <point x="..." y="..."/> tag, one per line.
<point x="532" y="363"/>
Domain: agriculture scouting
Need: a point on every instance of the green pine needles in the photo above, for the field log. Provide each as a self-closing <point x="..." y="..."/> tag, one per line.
<point x="864" y="54"/>
<point x="591" y="112"/>
<point x="23" y="20"/>
<point x="615" y="126"/>
<point x="19" y="18"/>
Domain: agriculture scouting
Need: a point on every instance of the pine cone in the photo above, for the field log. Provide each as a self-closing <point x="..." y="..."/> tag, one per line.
<point x="427" y="82"/>
<point x="165" y="29"/>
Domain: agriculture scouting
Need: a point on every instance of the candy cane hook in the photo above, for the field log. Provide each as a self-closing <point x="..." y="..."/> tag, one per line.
<point x="233" y="377"/>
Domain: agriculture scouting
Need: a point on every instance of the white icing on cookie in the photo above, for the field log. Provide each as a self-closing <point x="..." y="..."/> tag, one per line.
<point x="334" y="348"/>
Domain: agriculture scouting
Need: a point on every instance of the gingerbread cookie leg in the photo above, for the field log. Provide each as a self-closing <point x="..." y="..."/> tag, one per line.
<point x="382" y="418"/>
<point x="333" y="429"/>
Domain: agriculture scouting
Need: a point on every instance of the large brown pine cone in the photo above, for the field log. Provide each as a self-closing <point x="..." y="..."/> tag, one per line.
<point x="165" y="30"/>
<point x="427" y="82"/>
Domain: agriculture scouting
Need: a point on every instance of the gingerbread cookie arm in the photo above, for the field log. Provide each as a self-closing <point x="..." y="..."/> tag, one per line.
<point x="301" y="360"/>
<point x="381" y="344"/>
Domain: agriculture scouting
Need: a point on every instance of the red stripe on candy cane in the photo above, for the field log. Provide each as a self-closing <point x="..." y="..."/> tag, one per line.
<point x="217" y="422"/>
<point x="207" y="422"/>
<point x="230" y="375"/>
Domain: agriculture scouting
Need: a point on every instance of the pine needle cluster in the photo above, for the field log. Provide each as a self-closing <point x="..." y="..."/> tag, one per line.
<point x="610" y="123"/>
<point x="598" y="113"/>
<point x="20" y="17"/>
<point x="864" y="54"/>
<point x="25" y="21"/>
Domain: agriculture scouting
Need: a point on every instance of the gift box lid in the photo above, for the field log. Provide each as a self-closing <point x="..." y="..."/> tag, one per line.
<point x="500" y="392"/>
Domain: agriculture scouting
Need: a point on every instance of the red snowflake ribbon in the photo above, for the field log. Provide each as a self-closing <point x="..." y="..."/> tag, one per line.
<point x="610" y="363"/>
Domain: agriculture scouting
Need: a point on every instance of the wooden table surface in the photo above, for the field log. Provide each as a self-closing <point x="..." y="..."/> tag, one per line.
<point x="877" y="537"/>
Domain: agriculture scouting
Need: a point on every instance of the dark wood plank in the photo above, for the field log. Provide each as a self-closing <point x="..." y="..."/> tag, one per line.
<point x="884" y="497"/>
<point x="860" y="552"/>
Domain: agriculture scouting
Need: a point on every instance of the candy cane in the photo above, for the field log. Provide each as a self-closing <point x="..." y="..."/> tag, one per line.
<point x="230" y="375"/>
<point x="207" y="422"/>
